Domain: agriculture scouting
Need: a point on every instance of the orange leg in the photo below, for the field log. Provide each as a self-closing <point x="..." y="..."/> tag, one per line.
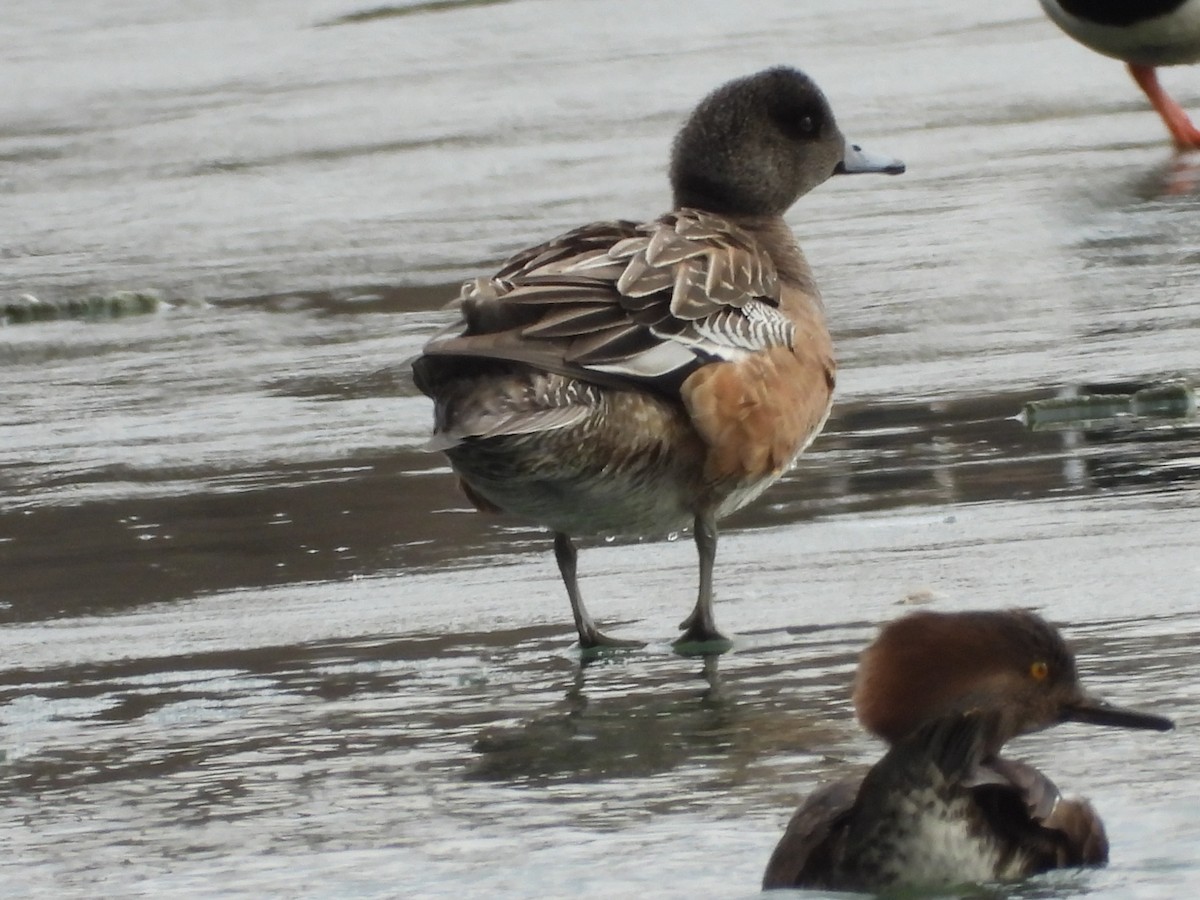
<point x="1183" y="132"/>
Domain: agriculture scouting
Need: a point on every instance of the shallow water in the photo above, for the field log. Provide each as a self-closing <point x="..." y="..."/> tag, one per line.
<point x="254" y="642"/>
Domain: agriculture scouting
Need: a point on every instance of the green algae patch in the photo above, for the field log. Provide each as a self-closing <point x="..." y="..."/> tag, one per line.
<point x="1176" y="400"/>
<point x="28" y="308"/>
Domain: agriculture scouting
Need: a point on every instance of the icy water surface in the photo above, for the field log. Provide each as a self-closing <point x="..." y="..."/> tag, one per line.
<point x="253" y="641"/>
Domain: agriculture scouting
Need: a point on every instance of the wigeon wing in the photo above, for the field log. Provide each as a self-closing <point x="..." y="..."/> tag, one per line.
<point x="618" y="302"/>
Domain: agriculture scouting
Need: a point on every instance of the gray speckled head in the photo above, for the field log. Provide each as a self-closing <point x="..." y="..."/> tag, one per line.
<point x="755" y="145"/>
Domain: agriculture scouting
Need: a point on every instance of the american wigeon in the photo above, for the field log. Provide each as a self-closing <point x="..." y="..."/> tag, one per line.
<point x="636" y="378"/>
<point x="1144" y="34"/>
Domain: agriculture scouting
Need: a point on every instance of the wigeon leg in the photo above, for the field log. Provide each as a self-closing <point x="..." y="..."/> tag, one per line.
<point x="701" y="626"/>
<point x="1183" y="132"/>
<point x="589" y="635"/>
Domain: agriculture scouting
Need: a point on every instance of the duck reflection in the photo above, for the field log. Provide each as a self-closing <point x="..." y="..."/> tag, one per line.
<point x="605" y="727"/>
<point x="593" y="735"/>
<point x="1178" y="177"/>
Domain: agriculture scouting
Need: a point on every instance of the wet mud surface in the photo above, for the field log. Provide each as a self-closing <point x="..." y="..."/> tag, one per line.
<point x="254" y="642"/>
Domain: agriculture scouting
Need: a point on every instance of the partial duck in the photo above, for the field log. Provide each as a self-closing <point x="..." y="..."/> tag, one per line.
<point x="947" y="691"/>
<point x="1145" y="34"/>
<point x="638" y="378"/>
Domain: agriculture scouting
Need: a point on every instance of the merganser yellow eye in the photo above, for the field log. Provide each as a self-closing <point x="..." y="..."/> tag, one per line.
<point x="1039" y="670"/>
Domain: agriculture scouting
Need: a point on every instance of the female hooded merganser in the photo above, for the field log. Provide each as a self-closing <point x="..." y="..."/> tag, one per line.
<point x="640" y="378"/>
<point x="1145" y="34"/>
<point x="947" y="691"/>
